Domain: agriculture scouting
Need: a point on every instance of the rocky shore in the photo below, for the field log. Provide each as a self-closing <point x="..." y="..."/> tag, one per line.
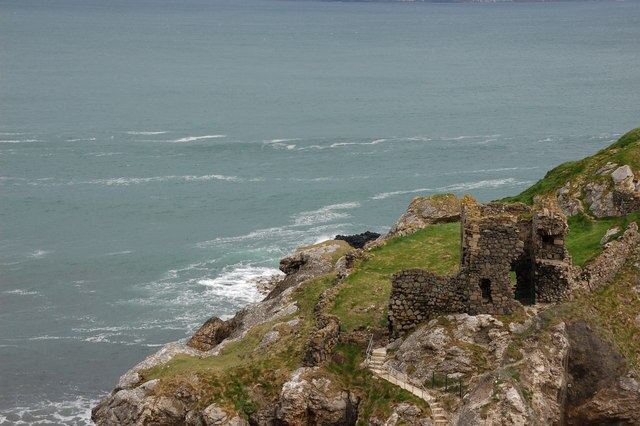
<point x="294" y="359"/>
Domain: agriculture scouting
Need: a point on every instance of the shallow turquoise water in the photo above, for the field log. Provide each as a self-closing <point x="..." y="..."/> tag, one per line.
<point x="154" y="155"/>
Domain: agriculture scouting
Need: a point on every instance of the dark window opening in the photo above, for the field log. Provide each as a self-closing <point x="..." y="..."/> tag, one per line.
<point x="485" y="288"/>
<point x="548" y="239"/>
<point x="523" y="288"/>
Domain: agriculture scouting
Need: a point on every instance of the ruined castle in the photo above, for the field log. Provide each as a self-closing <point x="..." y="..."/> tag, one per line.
<point x="510" y="254"/>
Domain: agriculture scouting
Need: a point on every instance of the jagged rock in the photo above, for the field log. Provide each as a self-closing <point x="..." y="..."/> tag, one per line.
<point x="424" y="211"/>
<point x="569" y="203"/>
<point x="308" y="398"/>
<point x="602" y="389"/>
<point x="307" y="263"/>
<point x="265" y="285"/>
<point x="268" y="338"/>
<point x="213" y="415"/>
<point x="618" y="404"/>
<point x="164" y="355"/>
<point x="606" y="168"/>
<point x="622" y="175"/>
<point x="210" y="334"/>
<point x="610" y="233"/>
<point x="136" y="407"/>
<point x="404" y="414"/>
<point x="500" y="398"/>
<point x="358" y="240"/>
<point x="599" y="198"/>
<point x="452" y="348"/>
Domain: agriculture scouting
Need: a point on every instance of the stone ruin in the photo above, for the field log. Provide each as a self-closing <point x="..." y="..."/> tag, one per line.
<point x="510" y="254"/>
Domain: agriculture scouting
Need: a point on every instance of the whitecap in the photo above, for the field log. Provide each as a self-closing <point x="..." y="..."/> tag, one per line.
<point x="198" y="138"/>
<point x="324" y="214"/>
<point x="145" y="133"/>
<point x="384" y="195"/>
<point x="490" y="183"/>
<point x="115" y="253"/>
<point x="103" y="154"/>
<point x="459" y="138"/>
<point x="283" y="140"/>
<point x="237" y="282"/>
<point x="81" y="139"/>
<point x="21" y="292"/>
<point x="70" y="412"/>
<point x="375" y="142"/>
<point x="125" y="181"/>
<point x="39" y="254"/>
<point x="19" y="140"/>
<point x="483" y="184"/>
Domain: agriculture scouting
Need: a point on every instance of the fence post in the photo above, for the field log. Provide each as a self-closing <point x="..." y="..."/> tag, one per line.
<point x="433" y="379"/>
<point x="460" y="386"/>
<point x="446" y="382"/>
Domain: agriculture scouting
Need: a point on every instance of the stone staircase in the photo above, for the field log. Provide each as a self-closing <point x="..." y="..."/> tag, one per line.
<point x="376" y="365"/>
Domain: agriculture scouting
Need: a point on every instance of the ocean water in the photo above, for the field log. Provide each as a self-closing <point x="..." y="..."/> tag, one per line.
<point x="157" y="155"/>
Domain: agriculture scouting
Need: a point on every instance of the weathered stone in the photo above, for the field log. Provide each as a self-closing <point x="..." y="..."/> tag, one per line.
<point x="210" y="334"/>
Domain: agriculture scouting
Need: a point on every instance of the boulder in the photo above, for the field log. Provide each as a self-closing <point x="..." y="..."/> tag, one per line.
<point x="424" y="211"/>
<point x="210" y="334"/>
<point x="308" y="398"/>
<point x="358" y="240"/>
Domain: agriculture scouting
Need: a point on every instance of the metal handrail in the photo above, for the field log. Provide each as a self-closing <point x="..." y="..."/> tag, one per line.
<point x="369" y="351"/>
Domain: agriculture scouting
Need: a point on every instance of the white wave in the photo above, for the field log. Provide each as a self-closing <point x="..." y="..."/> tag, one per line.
<point x="324" y="214"/>
<point x="12" y="133"/>
<point x="75" y="412"/>
<point x="19" y="140"/>
<point x="384" y="195"/>
<point x="283" y="140"/>
<point x="280" y="144"/>
<point x="198" y="138"/>
<point x="238" y="282"/>
<point x="279" y="233"/>
<point x="115" y="253"/>
<point x="21" y="292"/>
<point x="103" y="154"/>
<point x="499" y="169"/>
<point x="145" y="133"/>
<point x="125" y="181"/>
<point x="39" y="254"/>
<point x="490" y="183"/>
<point x="81" y="139"/>
<point x="375" y="142"/>
<point x="459" y="138"/>
<point x="324" y="237"/>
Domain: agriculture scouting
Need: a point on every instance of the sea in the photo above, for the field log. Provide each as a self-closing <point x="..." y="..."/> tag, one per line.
<point x="157" y="156"/>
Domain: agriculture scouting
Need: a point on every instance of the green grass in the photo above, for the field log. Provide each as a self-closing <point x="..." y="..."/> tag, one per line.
<point x="583" y="239"/>
<point x="625" y="151"/>
<point x="611" y="311"/>
<point x="242" y="375"/>
<point x="363" y="297"/>
<point x="378" y="396"/>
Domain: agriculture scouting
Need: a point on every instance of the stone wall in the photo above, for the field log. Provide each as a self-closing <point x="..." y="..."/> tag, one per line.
<point x="416" y="294"/>
<point x="499" y="241"/>
<point x="604" y="267"/>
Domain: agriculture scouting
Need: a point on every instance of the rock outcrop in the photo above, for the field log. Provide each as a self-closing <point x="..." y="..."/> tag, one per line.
<point x="424" y="211"/>
<point x="309" y="398"/>
<point x="358" y="240"/>
<point x="613" y="190"/>
<point x="210" y="334"/>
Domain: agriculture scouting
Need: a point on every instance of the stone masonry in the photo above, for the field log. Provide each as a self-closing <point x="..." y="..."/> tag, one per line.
<point x="509" y="254"/>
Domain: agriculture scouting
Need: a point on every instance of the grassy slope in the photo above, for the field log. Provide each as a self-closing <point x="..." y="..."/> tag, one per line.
<point x="363" y="297"/>
<point x="244" y="378"/>
<point x="625" y="151"/>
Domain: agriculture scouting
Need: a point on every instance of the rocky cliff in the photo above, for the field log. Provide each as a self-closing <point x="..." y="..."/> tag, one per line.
<point x="301" y="356"/>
